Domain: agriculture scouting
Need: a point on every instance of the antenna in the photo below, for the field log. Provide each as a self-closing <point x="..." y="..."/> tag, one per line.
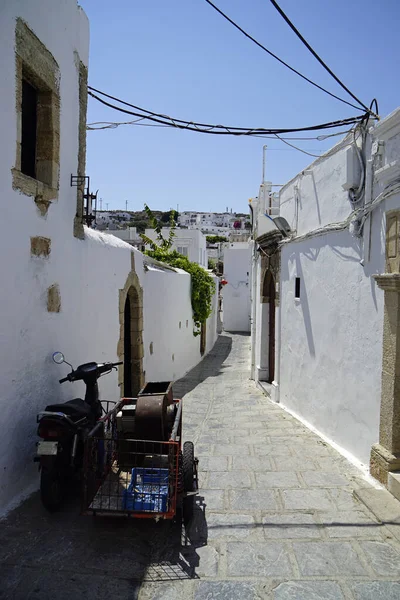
<point x="264" y="153"/>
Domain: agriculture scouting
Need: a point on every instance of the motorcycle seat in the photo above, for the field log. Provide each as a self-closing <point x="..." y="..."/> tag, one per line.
<point x="76" y="408"/>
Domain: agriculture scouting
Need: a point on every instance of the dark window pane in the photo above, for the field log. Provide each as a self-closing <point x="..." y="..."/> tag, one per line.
<point x="29" y="122"/>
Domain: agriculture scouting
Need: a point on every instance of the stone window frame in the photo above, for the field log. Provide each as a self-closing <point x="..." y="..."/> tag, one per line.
<point x="36" y="64"/>
<point x="392" y="241"/>
<point x="79" y="231"/>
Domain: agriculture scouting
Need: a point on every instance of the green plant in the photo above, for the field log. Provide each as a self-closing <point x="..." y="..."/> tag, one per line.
<point x="166" y="216"/>
<point x="202" y="285"/>
<point x="215" y="239"/>
<point x="157" y="225"/>
<point x="140" y="225"/>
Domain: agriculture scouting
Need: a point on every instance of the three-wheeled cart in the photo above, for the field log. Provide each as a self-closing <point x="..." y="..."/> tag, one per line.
<point x="135" y="464"/>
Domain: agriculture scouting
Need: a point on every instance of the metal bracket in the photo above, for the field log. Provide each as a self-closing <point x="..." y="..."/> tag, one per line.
<point x="89" y="211"/>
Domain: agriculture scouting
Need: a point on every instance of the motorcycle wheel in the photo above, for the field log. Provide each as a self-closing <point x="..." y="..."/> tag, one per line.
<point x="52" y="488"/>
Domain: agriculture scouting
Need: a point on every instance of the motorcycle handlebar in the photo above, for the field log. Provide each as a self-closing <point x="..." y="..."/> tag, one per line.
<point x="104" y="368"/>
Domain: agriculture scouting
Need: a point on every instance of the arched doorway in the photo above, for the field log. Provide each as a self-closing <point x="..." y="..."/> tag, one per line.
<point x="268" y="326"/>
<point x="130" y="346"/>
<point x="128" y="392"/>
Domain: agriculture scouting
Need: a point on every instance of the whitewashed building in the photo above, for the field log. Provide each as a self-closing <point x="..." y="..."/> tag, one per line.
<point x="325" y="315"/>
<point x="211" y="222"/>
<point x="64" y="286"/>
<point x="189" y="242"/>
<point x="129" y="235"/>
<point x="236" y="293"/>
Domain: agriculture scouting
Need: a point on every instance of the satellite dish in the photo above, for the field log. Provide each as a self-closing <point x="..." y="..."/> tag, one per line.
<point x="282" y="225"/>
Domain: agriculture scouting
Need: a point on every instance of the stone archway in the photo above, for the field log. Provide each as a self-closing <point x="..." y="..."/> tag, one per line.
<point x="130" y="345"/>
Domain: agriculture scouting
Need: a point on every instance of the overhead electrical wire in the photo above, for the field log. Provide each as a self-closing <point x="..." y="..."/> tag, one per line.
<point x="250" y="37"/>
<point x="144" y="114"/>
<point x="316" y="55"/>
<point x="100" y="125"/>
<point x="295" y="147"/>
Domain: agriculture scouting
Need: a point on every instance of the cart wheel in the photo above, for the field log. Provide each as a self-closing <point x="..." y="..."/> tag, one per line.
<point x="188" y="481"/>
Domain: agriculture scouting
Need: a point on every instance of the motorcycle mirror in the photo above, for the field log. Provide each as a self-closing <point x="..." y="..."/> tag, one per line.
<point x="58" y="358"/>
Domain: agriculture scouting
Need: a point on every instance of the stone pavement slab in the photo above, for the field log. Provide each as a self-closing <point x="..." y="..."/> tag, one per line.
<point x="277" y="516"/>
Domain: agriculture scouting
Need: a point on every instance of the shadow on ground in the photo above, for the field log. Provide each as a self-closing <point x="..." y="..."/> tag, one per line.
<point x="210" y="366"/>
<point x="65" y="555"/>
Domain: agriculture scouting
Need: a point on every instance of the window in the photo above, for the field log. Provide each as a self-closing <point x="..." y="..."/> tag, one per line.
<point x="36" y="171"/>
<point x="28" y="129"/>
<point x="297" y="288"/>
<point x="183" y="250"/>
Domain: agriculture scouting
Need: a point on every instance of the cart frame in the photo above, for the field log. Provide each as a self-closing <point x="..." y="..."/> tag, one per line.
<point x="102" y="476"/>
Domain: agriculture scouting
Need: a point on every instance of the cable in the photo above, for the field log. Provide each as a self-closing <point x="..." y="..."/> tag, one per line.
<point x="218" y="129"/>
<point x="319" y="59"/>
<point x="374" y="101"/>
<point x="295" y="147"/>
<point x="360" y="214"/>
<point x="192" y="123"/>
<point x="282" y="61"/>
<point x="115" y="124"/>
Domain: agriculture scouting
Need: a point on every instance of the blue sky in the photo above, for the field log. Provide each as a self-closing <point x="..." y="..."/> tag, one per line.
<point x="181" y="58"/>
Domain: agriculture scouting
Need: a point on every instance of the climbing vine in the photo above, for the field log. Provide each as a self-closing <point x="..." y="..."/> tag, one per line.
<point x="202" y="284"/>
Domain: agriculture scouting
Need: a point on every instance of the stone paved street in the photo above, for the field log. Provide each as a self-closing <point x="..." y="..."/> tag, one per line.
<point x="276" y="518"/>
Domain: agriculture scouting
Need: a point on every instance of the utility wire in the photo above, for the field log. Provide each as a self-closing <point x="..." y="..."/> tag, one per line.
<point x="214" y="129"/>
<point x="174" y="119"/>
<point x="319" y="59"/>
<point x="295" y="147"/>
<point x="285" y="63"/>
<point x="99" y="125"/>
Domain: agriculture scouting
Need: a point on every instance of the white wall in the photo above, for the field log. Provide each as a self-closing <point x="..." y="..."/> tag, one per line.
<point x="259" y="207"/>
<point x="331" y="338"/>
<point x="331" y="341"/>
<point x="89" y="272"/>
<point x="236" y="294"/>
<point x="192" y="239"/>
<point x="168" y="326"/>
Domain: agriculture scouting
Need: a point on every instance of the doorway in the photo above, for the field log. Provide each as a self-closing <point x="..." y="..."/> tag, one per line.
<point x="132" y="344"/>
<point x="128" y="393"/>
<point x="267" y="342"/>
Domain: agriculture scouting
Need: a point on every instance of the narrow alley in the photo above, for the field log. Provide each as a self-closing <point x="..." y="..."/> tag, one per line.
<point x="276" y="518"/>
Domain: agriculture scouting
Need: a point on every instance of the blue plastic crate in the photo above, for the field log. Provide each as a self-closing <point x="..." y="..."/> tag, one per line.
<point x="148" y="490"/>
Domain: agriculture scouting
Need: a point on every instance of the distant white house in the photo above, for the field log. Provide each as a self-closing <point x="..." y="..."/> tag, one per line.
<point x="236" y="293"/>
<point x="189" y="242"/>
<point x="218" y="223"/>
<point x="129" y="235"/>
